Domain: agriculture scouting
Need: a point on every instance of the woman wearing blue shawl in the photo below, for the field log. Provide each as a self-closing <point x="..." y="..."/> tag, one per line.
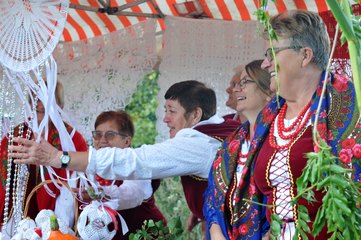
<point x="231" y="167"/>
<point x="284" y="135"/>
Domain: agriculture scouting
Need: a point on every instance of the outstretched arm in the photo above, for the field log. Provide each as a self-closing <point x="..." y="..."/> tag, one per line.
<point x="189" y="153"/>
<point x="43" y="153"/>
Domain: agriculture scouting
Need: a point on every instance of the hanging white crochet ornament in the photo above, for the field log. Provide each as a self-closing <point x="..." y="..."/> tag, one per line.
<point x="99" y="222"/>
<point x="29" y="31"/>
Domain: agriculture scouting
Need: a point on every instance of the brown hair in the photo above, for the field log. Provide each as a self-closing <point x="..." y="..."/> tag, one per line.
<point x="192" y="94"/>
<point x="259" y="75"/>
<point x="121" y="118"/>
<point x="304" y="29"/>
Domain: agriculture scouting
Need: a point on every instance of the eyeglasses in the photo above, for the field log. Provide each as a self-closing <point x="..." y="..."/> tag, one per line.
<point x="269" y="54"/>
<point x="109" y="135"/>
<point x="243" y="83"/>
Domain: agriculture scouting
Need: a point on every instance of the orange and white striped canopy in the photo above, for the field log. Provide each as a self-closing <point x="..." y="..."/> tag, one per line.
<point x="88" y="18"/>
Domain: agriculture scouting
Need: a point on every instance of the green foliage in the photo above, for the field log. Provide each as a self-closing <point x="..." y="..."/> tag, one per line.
<point x="158" y="230"/>
<point x="340" y="209"/>
<point x="142" y="110"/>
<point x="275" y="226"/>
<point x="263" y="17"/>
<point x="170" y="200"/>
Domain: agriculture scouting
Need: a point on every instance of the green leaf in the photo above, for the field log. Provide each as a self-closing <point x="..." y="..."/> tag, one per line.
<point x="275" y="227"/>
<point x="304" y="226"/>
<point x="151" y="223"/>
<point x="303" y="234"/>
<point x="319" y="222"/>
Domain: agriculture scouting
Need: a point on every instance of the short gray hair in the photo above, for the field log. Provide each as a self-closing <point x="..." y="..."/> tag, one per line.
<point x="306" y="29"/>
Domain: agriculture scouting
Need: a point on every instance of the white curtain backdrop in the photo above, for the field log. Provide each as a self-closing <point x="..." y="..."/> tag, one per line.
<point x="102" y="73"/>
<point x="207" y="51"/>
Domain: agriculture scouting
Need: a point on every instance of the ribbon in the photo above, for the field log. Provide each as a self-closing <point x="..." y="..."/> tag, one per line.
<point x="108" y="207"/>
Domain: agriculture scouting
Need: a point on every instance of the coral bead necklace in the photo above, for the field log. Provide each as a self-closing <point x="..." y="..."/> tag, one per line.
<point x="291" y="132"/>
<point x="296" y="123"/>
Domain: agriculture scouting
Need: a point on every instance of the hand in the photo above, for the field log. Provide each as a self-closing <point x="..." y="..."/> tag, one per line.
<point x="31" y="152"/>
<point x="216" y="232"/>
<point x="192" y="222"/>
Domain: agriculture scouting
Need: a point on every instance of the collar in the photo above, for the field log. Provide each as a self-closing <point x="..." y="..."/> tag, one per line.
<point x="215" y="119"/>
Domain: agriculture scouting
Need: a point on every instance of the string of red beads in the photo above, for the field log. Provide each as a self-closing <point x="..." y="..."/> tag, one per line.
<point x="282" y="116"/>
<point x="102" y="181"/>
<point x="299" y="124"/>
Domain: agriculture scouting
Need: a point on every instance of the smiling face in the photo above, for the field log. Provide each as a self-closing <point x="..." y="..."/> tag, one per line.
<point x="232" y="100"/>
<point x="250" y="99"/>
<point x="175" y="117"/>
<point x="289" y="67"/>
<point x="113" y="140"/>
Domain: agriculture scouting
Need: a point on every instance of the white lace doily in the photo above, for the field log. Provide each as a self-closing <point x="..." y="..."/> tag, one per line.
<point x="29" y="31"/>
<point x="102" y="73"/>
<point x="207" y="51"/>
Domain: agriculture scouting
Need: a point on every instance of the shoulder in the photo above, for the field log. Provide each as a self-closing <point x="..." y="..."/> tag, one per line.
<point x="193" y="138"/>
<point x="190" y="132"/>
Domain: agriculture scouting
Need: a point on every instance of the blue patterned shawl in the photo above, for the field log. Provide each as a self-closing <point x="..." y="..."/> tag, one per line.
<point x="338" y="126"/>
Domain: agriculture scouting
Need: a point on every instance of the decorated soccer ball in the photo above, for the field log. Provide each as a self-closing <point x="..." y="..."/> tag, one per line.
<point x="95" y="223"/>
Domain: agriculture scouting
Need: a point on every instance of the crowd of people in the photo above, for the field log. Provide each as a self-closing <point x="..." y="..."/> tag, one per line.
<point x="236" y="170"/>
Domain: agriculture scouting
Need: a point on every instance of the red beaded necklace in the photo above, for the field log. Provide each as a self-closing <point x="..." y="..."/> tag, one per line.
<point x="298" y="125"/>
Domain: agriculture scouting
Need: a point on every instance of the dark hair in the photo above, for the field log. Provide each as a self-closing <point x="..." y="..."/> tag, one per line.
<point x="259" y="75"/>
<point x="192" y="94"/>
<point x="121" y="118"/>
<point x="305" y="29"/>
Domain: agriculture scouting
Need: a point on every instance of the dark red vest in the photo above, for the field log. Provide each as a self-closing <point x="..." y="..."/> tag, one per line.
<point x="194" y="186"/>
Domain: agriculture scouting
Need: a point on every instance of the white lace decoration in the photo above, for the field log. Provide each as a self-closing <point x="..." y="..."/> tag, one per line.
<point x="30" y="31"/>
<point x="207" y="51"/>
<point x="103" y="72"/>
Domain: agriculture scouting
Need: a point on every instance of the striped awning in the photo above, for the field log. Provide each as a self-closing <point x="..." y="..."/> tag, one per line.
<point x="90" y="18"/>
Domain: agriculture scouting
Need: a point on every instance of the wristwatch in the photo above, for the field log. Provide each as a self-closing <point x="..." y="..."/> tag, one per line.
<point x="64" y="159"/>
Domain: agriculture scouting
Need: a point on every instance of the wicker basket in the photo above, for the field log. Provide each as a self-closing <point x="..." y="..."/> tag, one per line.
<point x="76" y="209"/>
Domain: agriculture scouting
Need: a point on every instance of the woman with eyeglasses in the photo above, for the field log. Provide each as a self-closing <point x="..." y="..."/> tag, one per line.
<point x="226" y="219"/>
<point x="135" y="197"/>
<point x="283" y="134"/>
